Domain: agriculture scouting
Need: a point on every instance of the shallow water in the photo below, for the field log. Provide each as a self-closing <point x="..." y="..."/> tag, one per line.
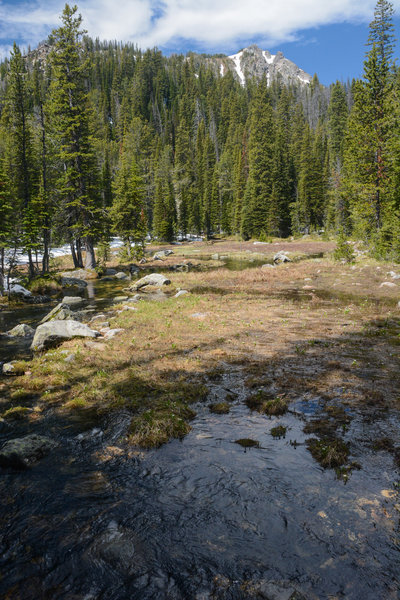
<point x="198" y="518"/>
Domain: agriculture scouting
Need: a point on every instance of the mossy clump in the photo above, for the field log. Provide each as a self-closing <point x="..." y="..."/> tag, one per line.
<point x="278" y="431"/>
<point x="155" y="427"/>
<point x="45" y="285"/>
<point x="330" y="453"/>
<point x="247" y="443"/>
<point x="266" y="404"/>
<point x="16" y="413"/>
<point x="219" y="408"/>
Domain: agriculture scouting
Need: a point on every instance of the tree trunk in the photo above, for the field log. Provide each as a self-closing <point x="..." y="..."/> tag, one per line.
<point x="73" y="253"/>
<point x="90" y="259"/>
<point x="31" y="265"/>
<point x="79" y="253"/>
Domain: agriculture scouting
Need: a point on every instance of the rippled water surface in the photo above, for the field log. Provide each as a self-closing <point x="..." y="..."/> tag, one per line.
<point x="198" y="518"/>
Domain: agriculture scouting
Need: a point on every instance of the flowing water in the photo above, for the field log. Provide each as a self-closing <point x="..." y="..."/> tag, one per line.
<point x="201" y="518"/>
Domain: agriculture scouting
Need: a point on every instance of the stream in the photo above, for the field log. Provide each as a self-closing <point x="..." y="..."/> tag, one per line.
<point x="197" y="519"/>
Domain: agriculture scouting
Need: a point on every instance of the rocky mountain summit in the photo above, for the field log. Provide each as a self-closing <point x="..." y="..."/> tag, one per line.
<point x="254" y="62"/>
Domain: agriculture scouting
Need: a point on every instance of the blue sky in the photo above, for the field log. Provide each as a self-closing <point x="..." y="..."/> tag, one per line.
<point x="327" y="38"/>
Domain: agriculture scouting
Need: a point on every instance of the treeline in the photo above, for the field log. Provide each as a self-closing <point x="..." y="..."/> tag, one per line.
<point x="102" y="139"/>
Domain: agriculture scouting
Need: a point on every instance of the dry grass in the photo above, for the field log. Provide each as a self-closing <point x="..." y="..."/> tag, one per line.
<point x="281" y="336"/>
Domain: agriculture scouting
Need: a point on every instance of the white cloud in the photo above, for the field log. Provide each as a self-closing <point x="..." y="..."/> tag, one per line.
<point x="213" y="23"/>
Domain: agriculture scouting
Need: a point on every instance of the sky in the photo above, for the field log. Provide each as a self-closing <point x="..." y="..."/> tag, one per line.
<point x="326" y="37"/>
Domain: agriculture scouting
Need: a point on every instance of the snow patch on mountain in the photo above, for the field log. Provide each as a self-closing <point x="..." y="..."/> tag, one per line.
<point x="269" y="58"/>
<point x="236" y="59"/>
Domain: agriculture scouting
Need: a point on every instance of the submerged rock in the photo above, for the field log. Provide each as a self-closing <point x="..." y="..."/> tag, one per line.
<point x="155" y="279"/>
<point x="54" y="332"/>
<point x="21" y="330"/>
<point x="75" y="282"/>
<point x="21" y="453"/>
<point x="72" y="300"/>
<point x="121" y="275"/>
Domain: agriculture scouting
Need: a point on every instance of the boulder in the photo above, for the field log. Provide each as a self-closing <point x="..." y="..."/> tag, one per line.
<point x="111" y="271"/>
<point x="74" y="282"/>
<point x="133" y="269"/>
<point x="21" y="453"/>
<point x="60" y="313"/>
<point x="80" y="274"/>
<point x="280" y="257"/>
<point x="54" y="332"/>
<point x="155" y="279"/>
<point x="162" y="254"/>
<point x="11" y="368"/>
<point x="17" y="291"/>
<point x="121" y="276"/>
<point x="72" y="300"/>
<point x="21" y="330"/>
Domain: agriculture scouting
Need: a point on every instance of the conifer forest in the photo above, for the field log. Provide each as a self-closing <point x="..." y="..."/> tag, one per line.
<point x="102" y="139"/>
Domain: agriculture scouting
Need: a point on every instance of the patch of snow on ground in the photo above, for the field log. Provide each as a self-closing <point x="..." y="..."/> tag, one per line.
<point x="236" y="59"/>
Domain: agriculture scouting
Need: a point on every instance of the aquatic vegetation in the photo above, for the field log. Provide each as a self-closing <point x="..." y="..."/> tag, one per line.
<point x="278" y="431"/>
<point x="219" y="408"/>
<point x="330" y="453"/>
<point x="248" y="443"/>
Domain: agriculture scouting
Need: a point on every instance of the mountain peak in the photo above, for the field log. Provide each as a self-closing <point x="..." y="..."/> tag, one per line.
<point x="254" y="62"/>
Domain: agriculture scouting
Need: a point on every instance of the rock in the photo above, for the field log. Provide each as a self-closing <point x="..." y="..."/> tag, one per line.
<point x="155" y="279"/>
<point x="280" y="257"/>
<point x="120" y="298"/>
<point x="125" y="307"/>
<point x="112" y="333"/>
<point x="142" y="261"/>
<point x="388" y="284"/>
<point x="181" y="293"/>
<point x="111" y="271"/>
<point x="121" y="276"/>
<point x="60" y="313"/>
<point x="17" y="291"/>
<point x="162" y="254"/>
<point x="133" y="269"/>
<point x="80" y="274"/>
<point x="214" y="256"/>
<point x="133" y="300"/>
<point x="68" y="282"/>
<point x="97" y="317"/>
<point x="107" y="278"/>
<point x="278" y="591"/>
<point x="55" y="332"/>
<point x="11" y="368"/>
<point x="72" y="300"/>
<point x="21" y="453"/>
<point x="22" y="330"/>
<point x="199" y="315"/>
<point x="267" y="266"/>
<point x="70" y="358"/>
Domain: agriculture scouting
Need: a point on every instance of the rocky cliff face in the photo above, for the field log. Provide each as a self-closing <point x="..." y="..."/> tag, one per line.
<point x="254" y="62"/>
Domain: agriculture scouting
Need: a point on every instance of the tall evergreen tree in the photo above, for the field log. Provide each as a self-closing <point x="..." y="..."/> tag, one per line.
<point x="78" y="181"/>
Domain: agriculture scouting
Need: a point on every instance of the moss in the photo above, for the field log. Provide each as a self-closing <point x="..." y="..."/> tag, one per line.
<point x="44" y="285"/>
<point x="278" y="431"/>
<point x="267" y="404"/>
<point x="330" y="453"/>
<point x="247" y="443"/>
<point x="219" y="408"/>
<point x="155" y="427"/>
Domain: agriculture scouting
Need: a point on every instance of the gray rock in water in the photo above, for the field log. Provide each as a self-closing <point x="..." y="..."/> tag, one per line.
<point x="72" y="301"/>
<point x="155" y="279"/>
<point x="22" y="330"/>
<point x="54" y="332"/>
<point x="60" y="313"/>
<point x="17" y="291"/>
<point x="21" y="453"/>
<point x="122" y="276"/>
<point x="68" y="282"/>
<point x="280" y="257"/>
<point x="111" y="271"/>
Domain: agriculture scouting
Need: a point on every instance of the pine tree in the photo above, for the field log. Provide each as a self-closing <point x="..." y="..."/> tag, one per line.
<point x="164" y="218"/>
<point x="77" y="184"/>
<point x="24" y="170"/>
<point x="128" y="215"/>
<point x="367" y="159"/>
